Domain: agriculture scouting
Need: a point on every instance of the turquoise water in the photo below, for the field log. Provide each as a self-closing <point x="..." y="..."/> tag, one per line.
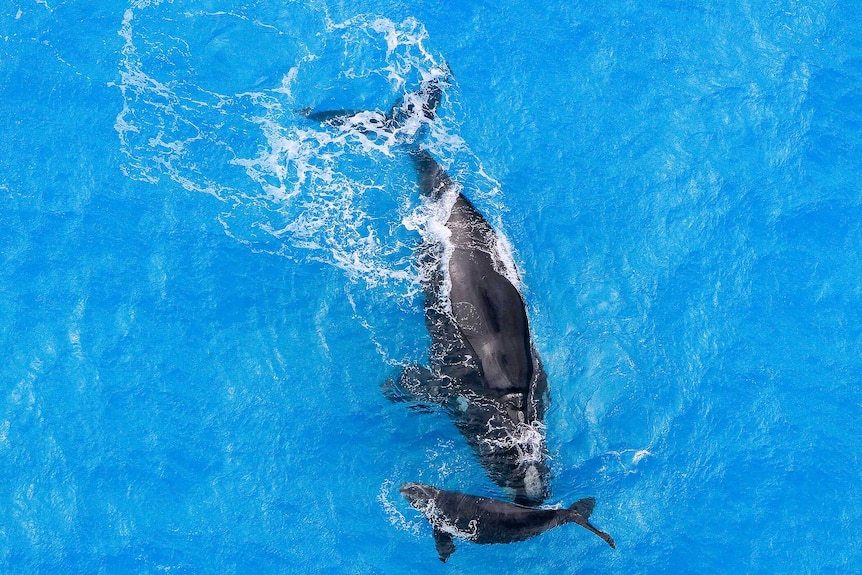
<point x="201" y="291"/>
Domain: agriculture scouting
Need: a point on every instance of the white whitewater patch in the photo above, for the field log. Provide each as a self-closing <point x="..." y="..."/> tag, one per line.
<point x="506" y="261"/>
<point x="627" y="460"/>
<point x="526" y="439"/>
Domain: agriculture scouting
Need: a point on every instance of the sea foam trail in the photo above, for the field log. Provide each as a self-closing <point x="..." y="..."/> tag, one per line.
<point x="287" y="185"/>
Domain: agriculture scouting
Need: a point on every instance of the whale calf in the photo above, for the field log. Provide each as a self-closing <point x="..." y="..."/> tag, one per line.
<point x="484" y="521"/>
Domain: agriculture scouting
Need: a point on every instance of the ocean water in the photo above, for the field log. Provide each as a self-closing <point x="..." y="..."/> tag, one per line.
<point x="201" y="291"/>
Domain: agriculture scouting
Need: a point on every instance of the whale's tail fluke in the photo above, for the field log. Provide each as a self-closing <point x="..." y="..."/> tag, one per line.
<point x="580" y="513"/>
<point x="420" y="105"/>
<point x="335" y="117"/>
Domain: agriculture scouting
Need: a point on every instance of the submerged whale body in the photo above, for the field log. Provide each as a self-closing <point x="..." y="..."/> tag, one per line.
<point x="483" y="370"/>
<point x="482" y="520"/>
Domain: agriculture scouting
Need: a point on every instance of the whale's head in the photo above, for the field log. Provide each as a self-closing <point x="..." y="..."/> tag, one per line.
<point x="419" y="495"/>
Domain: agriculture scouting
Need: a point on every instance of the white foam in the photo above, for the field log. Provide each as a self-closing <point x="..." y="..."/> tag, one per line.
<point x="5" y="425"/>
<point x="533" y="483"/>
<point x="526" y="439"/>
<point x="640" y="454"/>
<point x="628" y="459"/>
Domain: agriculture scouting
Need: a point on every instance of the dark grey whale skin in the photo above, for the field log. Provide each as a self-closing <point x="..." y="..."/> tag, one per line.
<point x="483" y="367"/>
<point x="483" y="520"/>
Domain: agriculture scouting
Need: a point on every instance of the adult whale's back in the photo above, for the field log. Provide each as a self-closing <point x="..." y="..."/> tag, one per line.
<point x="487" y="309"/>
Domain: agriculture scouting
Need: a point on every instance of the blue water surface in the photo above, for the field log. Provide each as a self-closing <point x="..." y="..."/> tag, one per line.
<point x="201" y="291"/>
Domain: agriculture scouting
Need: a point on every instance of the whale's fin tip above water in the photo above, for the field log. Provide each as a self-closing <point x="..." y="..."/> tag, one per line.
<point x="333" y="117"/>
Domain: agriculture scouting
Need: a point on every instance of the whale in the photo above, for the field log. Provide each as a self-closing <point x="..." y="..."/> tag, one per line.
<point x="482" y="520"/>
<point x="483" y="368"/>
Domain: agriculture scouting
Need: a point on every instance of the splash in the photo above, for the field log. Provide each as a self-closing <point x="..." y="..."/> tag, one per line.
<point x="527" y="440"/>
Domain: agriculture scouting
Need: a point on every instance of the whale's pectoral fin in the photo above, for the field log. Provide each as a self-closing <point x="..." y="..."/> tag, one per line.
<point x="581" y="511"/>
<point x="444" y="543"/>
<point x="416" y="384"/>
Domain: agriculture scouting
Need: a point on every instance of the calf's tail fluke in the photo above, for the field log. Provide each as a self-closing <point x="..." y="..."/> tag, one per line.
<point x="580" y="513"/>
